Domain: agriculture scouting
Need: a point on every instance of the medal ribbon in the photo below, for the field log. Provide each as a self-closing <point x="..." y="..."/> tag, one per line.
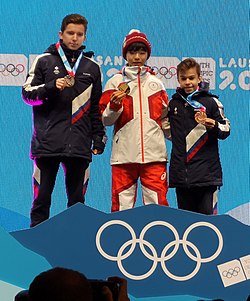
<point x="194" y="103"/>
<point x="71" y="71"/>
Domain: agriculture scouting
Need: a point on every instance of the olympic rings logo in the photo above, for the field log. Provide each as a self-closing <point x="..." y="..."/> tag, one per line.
<point x="11" y="69"/>
<point x="164" y="256"/>
<point x="231" y="272"/>
<point x="165" y="72"/>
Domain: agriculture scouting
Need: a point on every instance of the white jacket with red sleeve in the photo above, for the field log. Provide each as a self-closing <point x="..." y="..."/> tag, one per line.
<point x="140" y="122"/>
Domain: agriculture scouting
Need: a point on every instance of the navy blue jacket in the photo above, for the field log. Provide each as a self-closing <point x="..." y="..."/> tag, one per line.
<point x="204" y="168"/>
<point x="65" y="123"/>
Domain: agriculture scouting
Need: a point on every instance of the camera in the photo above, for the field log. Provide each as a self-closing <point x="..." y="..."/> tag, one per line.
<point x="97" y="286"/>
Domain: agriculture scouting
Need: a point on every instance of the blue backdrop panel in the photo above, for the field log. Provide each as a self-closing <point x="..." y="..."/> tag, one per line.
<point x="18" y="264"/>
<point x="176" y="29"/>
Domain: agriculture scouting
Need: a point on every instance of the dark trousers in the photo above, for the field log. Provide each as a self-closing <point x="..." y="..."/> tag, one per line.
<point x="44" y="177"/>
<point x="196" y="199"/>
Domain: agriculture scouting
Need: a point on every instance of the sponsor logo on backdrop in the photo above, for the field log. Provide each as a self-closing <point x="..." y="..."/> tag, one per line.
<point x="165" y="69"/>
<point x="235" y="271"/>
<point x="234" y="72"/>
<point x="13" y="69"/>
<point x="208" y="70"/>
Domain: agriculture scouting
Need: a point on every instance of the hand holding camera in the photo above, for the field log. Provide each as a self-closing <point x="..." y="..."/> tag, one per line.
<point x="114" y="289"/>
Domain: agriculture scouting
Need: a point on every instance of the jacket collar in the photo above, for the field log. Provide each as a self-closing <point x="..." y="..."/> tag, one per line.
<point x="132" y="72"/>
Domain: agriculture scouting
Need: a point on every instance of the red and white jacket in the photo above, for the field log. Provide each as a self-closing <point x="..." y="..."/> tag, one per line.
<point x="140" y="122"/>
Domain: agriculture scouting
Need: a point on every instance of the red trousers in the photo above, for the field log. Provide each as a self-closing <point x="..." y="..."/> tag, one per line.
<point x="125" y="177"/>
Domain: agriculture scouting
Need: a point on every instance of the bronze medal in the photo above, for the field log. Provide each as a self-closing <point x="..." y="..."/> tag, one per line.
<point x="124" y="87"/>
<point x="70" y="80"/>
<point x="200" y="117"/>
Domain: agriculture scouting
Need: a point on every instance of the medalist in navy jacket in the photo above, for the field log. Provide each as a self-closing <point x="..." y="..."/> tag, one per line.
<point x="66" y="123"/>
<point x="197" y="164"/>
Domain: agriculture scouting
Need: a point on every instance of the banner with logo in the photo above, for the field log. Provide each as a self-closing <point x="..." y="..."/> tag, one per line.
<point x="176" y="29"/>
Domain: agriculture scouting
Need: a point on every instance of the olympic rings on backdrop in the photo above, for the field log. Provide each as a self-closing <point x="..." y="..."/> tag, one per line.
<point x="153" y="255"/>
<point x="11" y="69"/>
<point x="165" y="72"/>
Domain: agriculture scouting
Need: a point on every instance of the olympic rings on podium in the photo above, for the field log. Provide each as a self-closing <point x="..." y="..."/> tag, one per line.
<point x="129" y="246"/>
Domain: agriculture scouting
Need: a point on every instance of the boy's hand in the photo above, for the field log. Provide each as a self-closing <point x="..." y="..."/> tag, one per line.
<point x="209" y="123"/>
<point x="60" y="83"/>
<point x="96" y="151"/>
<point x="117" y="97"/>
<point x="201" y="117"/>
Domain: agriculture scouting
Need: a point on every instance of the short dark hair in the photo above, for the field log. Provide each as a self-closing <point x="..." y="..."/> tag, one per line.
<point x="187" y="64"/>
<point x="60" y="284"/>
<point x="137" y="46"/>
<point x="75" y="19"/>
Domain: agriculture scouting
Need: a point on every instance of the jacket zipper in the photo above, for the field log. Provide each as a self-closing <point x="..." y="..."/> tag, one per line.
<point x="141" y="119"/>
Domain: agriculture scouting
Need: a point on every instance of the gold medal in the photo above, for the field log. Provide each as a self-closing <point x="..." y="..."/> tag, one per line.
<point x="70" y="80"/>
<point x="200" y="117"/>
<point x="124" y="87"/>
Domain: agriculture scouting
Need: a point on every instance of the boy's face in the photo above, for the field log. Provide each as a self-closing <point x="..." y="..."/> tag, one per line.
<point x="136" y="58"/>
<point x="73" y="36"/>
<point x="189" y="80"/>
